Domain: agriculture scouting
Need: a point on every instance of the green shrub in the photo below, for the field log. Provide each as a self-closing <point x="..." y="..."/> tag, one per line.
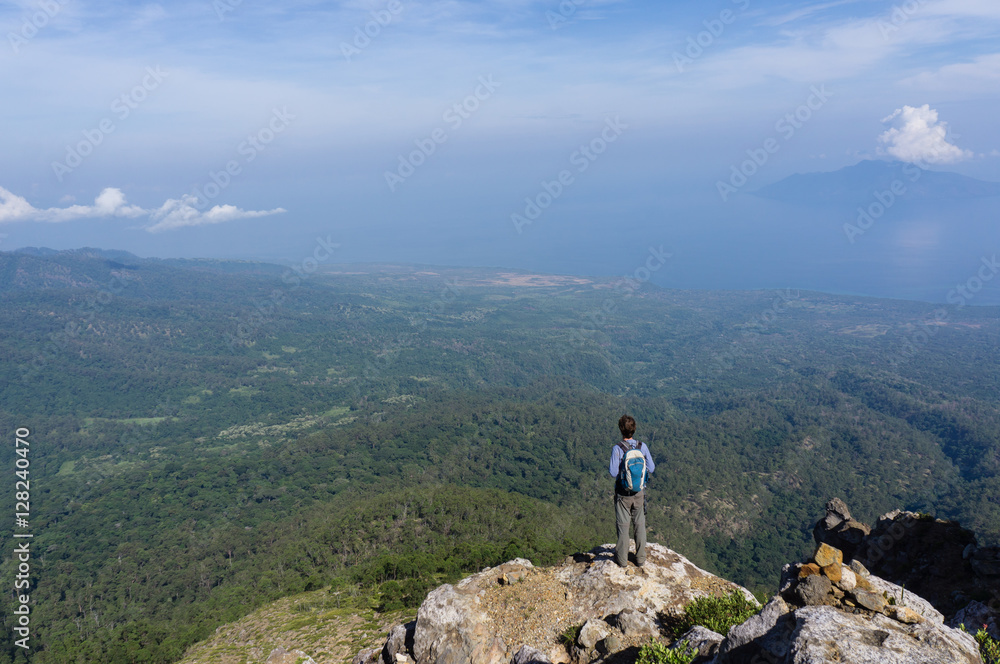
<point x="569" y="635"/>
<point x="988" y="648"/>
<point x="716" y="613"/>
<point x="655" y="652"/>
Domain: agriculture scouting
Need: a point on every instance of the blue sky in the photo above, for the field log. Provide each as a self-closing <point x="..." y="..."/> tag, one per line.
<point x="228" y="128"/>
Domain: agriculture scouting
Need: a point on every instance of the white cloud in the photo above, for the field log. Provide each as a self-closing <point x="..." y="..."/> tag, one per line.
<point x="181" y="212"/>
<point x="920" y="137"/>
<point x="174" y="213"/>
<point x="981" y="74"/>
<point x="109" y="203"/>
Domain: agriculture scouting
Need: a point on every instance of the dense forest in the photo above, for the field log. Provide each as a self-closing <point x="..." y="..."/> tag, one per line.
<point x="208" y="436"/>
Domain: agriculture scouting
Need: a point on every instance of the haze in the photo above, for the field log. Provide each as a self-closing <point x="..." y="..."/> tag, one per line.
<point x="575" y="137"/>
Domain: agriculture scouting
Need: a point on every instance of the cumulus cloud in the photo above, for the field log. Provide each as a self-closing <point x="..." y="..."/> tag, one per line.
<point x="919" y="137"/>
<point x="174" y="213"/>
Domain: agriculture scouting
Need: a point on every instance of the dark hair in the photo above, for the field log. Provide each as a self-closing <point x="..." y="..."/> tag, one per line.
<point x="627" y="426"/>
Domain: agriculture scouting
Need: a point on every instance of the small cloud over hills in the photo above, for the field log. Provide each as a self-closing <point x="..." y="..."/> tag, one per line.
<point x="110" y="203"/>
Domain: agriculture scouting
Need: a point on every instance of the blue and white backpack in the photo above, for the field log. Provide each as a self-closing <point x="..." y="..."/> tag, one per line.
<point x="632" y="469"/>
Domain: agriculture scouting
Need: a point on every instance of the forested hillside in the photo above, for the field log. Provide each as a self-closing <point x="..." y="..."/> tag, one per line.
<point x="209" y="436"/>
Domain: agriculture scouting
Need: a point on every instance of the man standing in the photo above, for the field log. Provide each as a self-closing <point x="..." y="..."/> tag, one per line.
<point x="629" y="504"/>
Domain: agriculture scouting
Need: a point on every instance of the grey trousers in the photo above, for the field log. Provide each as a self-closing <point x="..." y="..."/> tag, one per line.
<point x="629" y="512"/>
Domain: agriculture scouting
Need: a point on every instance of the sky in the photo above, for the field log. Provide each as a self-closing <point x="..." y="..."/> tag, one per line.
<point x="575" y="136"/>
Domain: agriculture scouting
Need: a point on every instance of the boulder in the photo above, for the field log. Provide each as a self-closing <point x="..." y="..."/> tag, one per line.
<point x="869" y="600"/>
<point x="813" y="591"/>
<point x="368" y="656"/>
<point x="848" y="579"/>
<point x="592" y="631"/>
<point x="637" y="623"/>
<point x="824" y="634"/>
<point x="975" y="615"/>
<point x="702" y="639"/>
<point x="839" y="529"/>
<point x="611" y="644"/>
<point x="399" y="641"/>
<point x="827" y="555"/>
<point x="528" y="655"/>
<point x="757" y="626"/>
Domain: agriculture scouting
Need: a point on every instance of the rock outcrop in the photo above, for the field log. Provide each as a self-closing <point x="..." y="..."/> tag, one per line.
<point x="582" y="610"/>
<point x="588" y="610"/>
<point x="937" y="559"/>
<point x="830" y="612"/>
<point x="840" y="530"/>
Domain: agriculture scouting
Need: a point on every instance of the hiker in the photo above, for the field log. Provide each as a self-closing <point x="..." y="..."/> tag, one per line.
<point x="630" y="472"/>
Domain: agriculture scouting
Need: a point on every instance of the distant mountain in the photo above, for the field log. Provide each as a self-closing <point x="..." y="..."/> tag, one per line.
<point x="110" y="254"/>
<point x="856" y="183"/>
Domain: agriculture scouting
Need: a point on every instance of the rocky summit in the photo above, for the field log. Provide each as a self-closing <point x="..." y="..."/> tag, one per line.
<point x="588" y="610"/>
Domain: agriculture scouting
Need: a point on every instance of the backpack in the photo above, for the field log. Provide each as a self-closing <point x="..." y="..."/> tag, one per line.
<point x="632" y="469"/>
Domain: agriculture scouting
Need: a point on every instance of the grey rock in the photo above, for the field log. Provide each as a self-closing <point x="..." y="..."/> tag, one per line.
<point x="974" y="616"/>
<point x="848" y="579"/>
<point x="368" y="656"/>
<point x="612" y="643"/>
<point x="528" y="655"/>
<point x="869" y="600"/>
<point x="814" y="591"/>
<point x="399" y="641"/>
<point x="669" y="583"/>
<point x="905" y="598"/>
<point x="702" y="639"/>
<point x="836" y="513"/>
<point x="757" y="626"/>
<point x="839" y="529"/>
<point x="592" y="631"/>
<point x="453" y="624"/>
<point x="859" y="569"/>
<point x="824" y="634"/>
<point x="968" y="551"/>
<point x="789" y="577"/>
<point x="637" y="623"/>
